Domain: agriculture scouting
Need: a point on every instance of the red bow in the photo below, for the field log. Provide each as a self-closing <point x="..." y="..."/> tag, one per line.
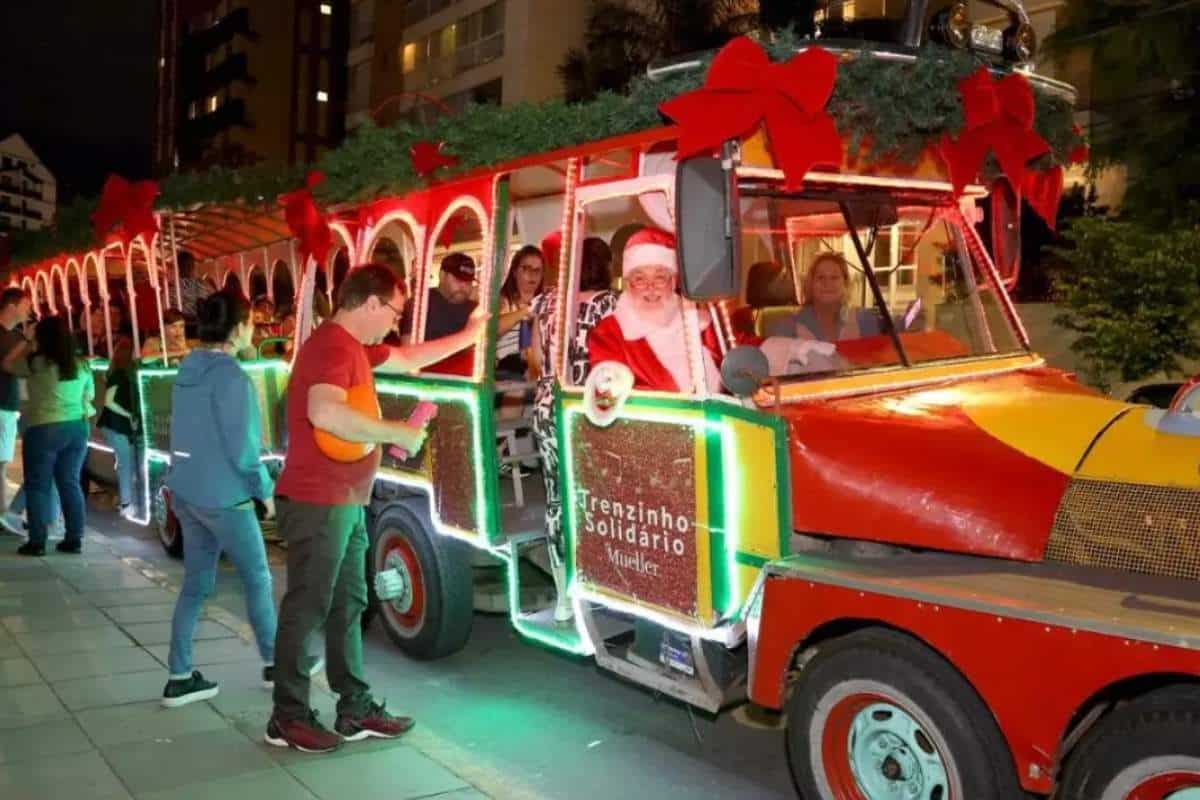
<point x="999" y="118"/>
<point x="428" y="156"/>
<point x="126" y="207"/>
<point x="305" y="220"/>
<point x="1080" y="154"/>
<point x="744" y="89"/>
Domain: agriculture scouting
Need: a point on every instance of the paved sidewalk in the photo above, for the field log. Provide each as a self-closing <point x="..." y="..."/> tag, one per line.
<point x="83" y="648"/>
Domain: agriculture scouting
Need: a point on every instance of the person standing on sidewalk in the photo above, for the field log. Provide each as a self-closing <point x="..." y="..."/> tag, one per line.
<point x="321" y="507"/>
<point x="118" y="423"/>
<point x="15" y="307"/>
<point x="60" y="390"/>
<point x="216" y="477"/>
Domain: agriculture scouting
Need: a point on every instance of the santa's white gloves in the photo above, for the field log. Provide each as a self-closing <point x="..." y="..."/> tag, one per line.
<point x="785" y="353"/>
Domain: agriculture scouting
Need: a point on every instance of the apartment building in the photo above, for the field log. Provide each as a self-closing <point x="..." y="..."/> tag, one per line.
<point x="243" y="81"/>
<point x="27" y="188"/>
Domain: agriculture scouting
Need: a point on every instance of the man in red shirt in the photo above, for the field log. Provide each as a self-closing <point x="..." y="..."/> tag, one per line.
<point x="320" y="505"/>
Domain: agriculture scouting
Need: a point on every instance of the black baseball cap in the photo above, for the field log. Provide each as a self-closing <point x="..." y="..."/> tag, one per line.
<point x="460" y="265"/>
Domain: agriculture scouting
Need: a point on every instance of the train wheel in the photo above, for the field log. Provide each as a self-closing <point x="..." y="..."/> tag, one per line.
<point x="876" y="715"/>
<point x="430" y="609"/>
<point x="1146" y="750"/>
<point x="166" y="524"/>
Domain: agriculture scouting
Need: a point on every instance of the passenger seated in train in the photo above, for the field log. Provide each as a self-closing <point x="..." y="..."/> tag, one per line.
<point x="646" y="331"/>
<point x="526" y="281"/>
<point x="825" y="315"/>
<point x="177" y="344"/>
<point x="450" y="302"/>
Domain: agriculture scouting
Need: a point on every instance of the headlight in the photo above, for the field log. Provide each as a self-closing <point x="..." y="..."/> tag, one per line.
<point x="1020" y="43"/>
<point x="952" y="25"/>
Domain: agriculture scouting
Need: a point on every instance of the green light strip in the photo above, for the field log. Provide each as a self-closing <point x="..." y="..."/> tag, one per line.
<point x="574" y="640"/>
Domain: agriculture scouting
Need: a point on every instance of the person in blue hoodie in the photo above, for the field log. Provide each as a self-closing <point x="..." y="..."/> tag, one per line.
<point x="216" y="477"/>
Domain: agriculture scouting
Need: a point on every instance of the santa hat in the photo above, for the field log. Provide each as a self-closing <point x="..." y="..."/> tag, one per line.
<point x="649" y="247"/>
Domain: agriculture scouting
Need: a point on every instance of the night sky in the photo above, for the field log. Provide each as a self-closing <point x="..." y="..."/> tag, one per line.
<point x="77" y="81"/>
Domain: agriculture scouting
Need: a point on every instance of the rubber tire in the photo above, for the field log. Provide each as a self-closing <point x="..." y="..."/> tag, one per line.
<point x="449" y="590"/>
<point x="886" y="657"/>
<point x="172" y="544"/>
<point x="1162" y="723"/>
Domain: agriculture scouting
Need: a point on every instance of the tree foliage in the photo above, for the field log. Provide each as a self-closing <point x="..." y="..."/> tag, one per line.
<point x="1133" y="297"/>
<point x="1145" y="66"/>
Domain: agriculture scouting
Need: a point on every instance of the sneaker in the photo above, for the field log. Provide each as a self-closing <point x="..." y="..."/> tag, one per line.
<point x="31" y="549"/>
<point x="376" y="722"/>
<point x="69" y="547"/>
<point x="306" y="735"/>
<point x="268" y="673"/>
<point x="181" y="691"/>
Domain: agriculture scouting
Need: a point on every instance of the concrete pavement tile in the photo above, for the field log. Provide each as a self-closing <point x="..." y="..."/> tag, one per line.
<point x="213" y="651"/>
<point x="18" y="672"/>
<point x="111" y="690"/>
<point x="56" y="618"/>
<point x="9" y="647"/>
<point x="139" y="722"/>
<point x="49" y="588"/>
<point x="193" y="758"/>
<point x="396" y="774"/>
<point x="274" y="784"/>
<point x="56" y="738"/>
<point x="105" y="661"/>
<point x="84" y="775"/>
<point x="42" y="602"/>
<point x="146" y="633"/>
<point x="27" y="705"/>
<point x="130" y="597"/>
<point x="132" y="615"/>
<point x="28" y="569"/>
<point x="107" y="579"/>
<point x="97" y="638"/>
<point x="462" y="794"/>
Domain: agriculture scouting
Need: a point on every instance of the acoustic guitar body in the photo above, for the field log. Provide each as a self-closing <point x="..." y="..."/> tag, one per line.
<point x="361" y="398"/>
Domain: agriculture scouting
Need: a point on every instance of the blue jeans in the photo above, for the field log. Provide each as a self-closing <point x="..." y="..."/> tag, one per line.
<point x="53" y="457"/>
<point x="127" y="453"/>
<point x="206" y="533"/>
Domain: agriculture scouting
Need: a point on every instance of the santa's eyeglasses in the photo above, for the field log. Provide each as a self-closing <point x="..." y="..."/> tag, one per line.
<point x="642" y="282"/>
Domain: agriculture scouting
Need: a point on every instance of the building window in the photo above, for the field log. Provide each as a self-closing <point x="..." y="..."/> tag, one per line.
<point x="322" y="96"/>
<point x="212" y="103"/>
<point x="326" y="9"/>
<point x="408" y="57"/>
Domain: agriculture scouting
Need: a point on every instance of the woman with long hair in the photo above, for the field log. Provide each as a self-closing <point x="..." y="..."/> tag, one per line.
<point x="215" y="479"/>
<point x="118" y="422"/>
<point x="525" y="282"/>
<point x="60" y="388"/>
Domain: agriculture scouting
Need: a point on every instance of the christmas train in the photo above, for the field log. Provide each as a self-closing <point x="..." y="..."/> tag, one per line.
<point x="843" y="487"/>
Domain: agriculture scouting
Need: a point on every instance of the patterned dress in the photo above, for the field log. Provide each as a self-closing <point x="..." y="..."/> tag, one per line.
<point x="590" y="312"/>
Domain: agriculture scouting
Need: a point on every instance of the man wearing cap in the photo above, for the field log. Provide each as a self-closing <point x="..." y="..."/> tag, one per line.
<point x="450" y="303"/>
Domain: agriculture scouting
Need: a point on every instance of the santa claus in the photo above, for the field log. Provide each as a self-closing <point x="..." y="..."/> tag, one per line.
<point x="646" y="330"/>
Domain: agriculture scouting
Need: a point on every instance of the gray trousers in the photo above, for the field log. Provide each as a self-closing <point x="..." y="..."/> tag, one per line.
<point x="326" y="589"/>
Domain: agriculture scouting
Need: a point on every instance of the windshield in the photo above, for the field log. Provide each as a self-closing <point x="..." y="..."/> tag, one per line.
<point x="919" y="297"/>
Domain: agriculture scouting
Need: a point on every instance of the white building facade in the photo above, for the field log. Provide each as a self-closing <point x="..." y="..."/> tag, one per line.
<point x="28" y="191"/>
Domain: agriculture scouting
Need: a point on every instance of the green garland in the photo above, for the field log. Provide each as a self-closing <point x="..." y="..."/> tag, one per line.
<point x="894" y="110"/>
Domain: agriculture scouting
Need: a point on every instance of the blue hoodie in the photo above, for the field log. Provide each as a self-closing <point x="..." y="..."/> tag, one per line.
<point x="216" y="434"/>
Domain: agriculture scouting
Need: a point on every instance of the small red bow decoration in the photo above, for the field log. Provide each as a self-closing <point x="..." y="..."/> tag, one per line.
<point x="428" y="156"/>
<point x="305" y="220"/>
<point x="743" y="90"/>
<point x="999" y="118"/>
<point x="1080" y="154"/>
<point x="126" y="207"/>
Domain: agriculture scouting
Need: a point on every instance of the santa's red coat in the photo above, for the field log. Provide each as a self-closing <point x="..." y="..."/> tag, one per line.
<point x="606" y="342"/>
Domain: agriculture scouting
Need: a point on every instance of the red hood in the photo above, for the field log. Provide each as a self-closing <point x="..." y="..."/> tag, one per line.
<point x="976" y="466"/>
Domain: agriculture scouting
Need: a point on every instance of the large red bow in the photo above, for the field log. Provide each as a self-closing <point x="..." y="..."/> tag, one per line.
<point x="428" y="156"/>
<point x="744" y="89"/>
<point x="126" y="207"/>
<point x="999" y="118"/>
<point x="305" y="220"/>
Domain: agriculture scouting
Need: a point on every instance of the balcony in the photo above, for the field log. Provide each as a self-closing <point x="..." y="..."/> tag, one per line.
<point x="234" y="23"/>
<point x="228" y="115"/>
<point x="234" y="68"/>
<point x="417" y="10"/>
<point x="464" y="59"/>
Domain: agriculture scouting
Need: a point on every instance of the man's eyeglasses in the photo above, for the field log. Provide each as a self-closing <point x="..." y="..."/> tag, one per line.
<point x="397" y="312"/>
<point x="642" y="282"/>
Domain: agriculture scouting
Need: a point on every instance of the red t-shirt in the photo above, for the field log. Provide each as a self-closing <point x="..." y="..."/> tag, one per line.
<point x="331" y="355"/>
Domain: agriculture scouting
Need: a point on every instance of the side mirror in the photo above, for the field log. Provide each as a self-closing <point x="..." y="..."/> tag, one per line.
<point x="707" y="228"/>
<point x="743" y="370"/>
<point x="1006" y="233"/>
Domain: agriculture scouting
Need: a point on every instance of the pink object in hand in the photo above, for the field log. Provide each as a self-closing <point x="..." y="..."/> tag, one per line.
<point x="421" y="416"/>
